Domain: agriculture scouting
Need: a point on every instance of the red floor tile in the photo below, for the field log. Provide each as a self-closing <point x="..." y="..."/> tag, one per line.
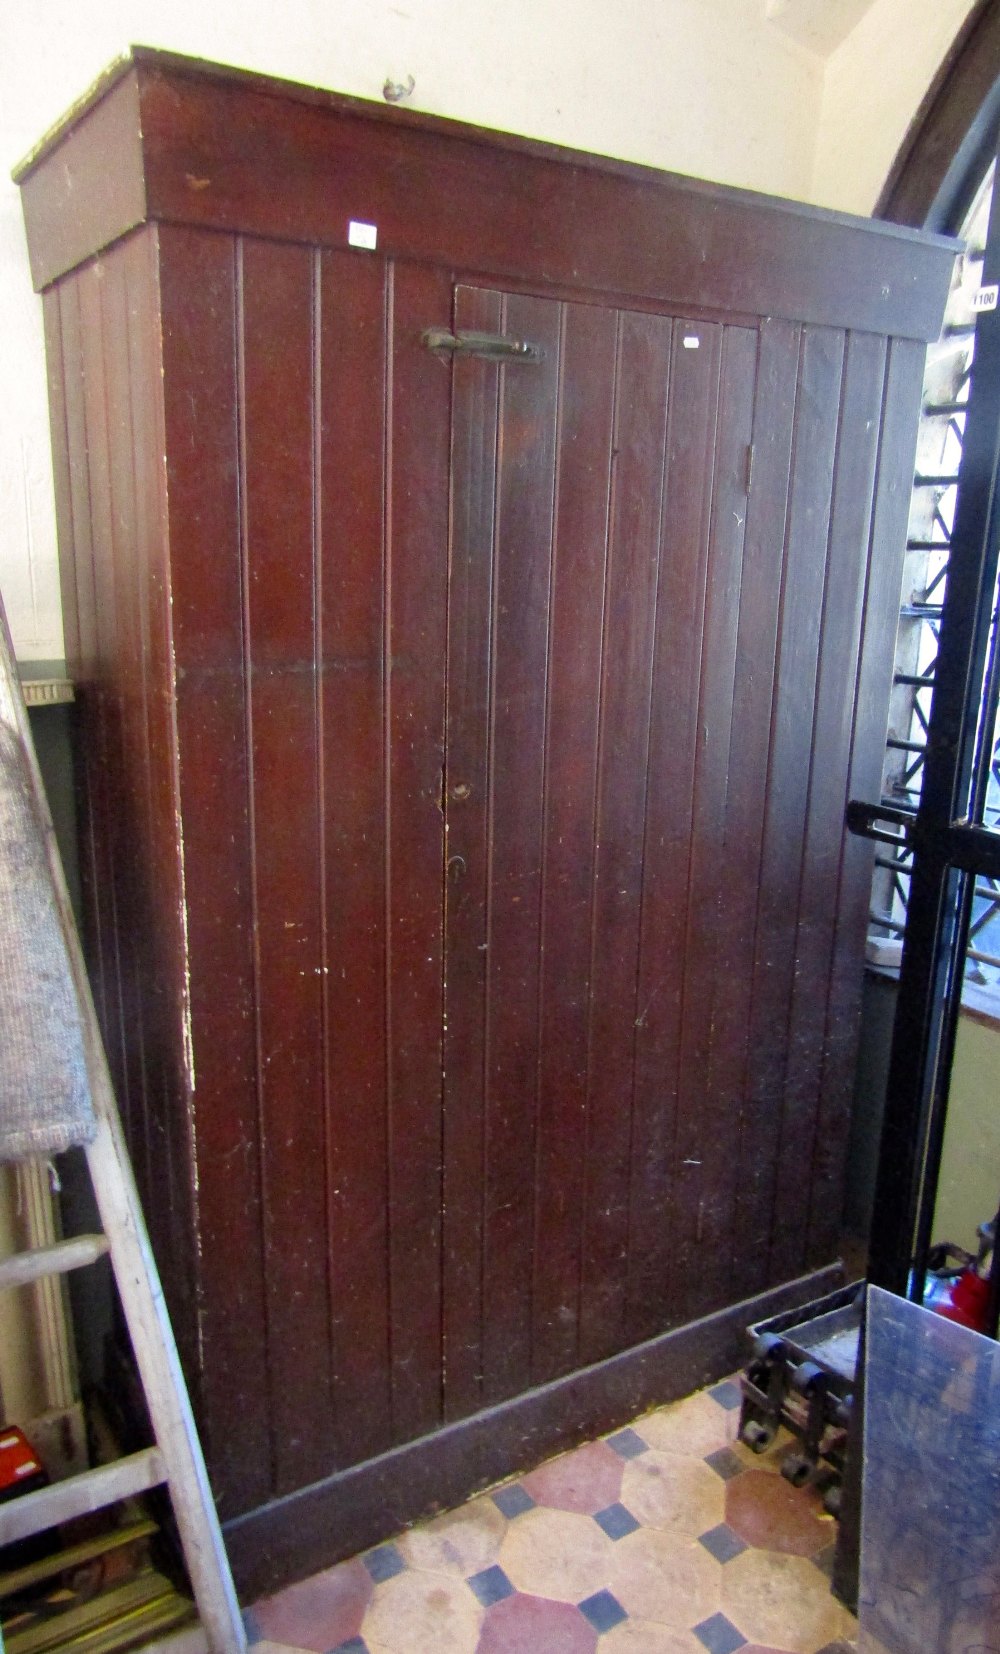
<point x="320" y="1612"/>
<point x="585" y="1481"/>
<point x="528" y="1625"/>
<point x="768" y="1512"/>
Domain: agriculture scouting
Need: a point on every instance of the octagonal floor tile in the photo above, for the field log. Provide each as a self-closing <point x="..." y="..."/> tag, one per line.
<point x="556" y="1554"/>
<point x="665" y="1578"/>
<point x="415" y="1612"/>
<point x="529" y="1625"/>
<point x="461" y="1543"/>
<point x="691" y="1428"/>
<point x="586" y="1480"/>
<point x="319" y="1612"/>
<point x="646" y="1637"/>
<point x="767" y="1511"/>
<point x="783" y="1602"/>
<point x="276" y="1648"/>
<point x="667" y="1491"/>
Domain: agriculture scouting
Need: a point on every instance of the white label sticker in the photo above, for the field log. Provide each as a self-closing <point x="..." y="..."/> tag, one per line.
<point x="362" y="235"/>
<point x="986" y="298"/>
<point x="691" y="341"/>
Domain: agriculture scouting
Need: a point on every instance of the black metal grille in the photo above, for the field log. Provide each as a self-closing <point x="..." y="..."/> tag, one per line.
<point x="939" y="452"/>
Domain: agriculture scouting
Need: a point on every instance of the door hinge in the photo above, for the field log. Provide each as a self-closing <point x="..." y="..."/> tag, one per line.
<point x="492" y="347"/>
<point x="749" y="465"/>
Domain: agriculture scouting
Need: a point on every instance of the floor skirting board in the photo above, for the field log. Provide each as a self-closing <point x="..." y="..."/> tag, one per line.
<point x="358" y="1507"/>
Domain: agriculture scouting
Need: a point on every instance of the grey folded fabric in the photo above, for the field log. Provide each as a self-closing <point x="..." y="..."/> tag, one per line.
<point x="45" y="1101"/>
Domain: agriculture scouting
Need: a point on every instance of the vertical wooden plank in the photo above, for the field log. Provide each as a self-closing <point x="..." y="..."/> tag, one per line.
<point x="105" y="727"/>
<point x="705" y="1165"/>
<point x="589" y="355"/>
<point x="470" y="635"/>
<point x="277" y="371"/>
<point x="57" y="368"/>
<point x="850" y="525"/>
<point x="352" y="754"/>
<point x="127" y="674"/>
<point x="79" y="589"/>
<point x="522" y="574"/>
<point x="904" y="378"/>
<point x="416" y="606"/>
<point x="170" y="1164"/>
<point x="766" y="978"/>
<point x="214" y="1020"/>
<point x="626" y="672"/>
<point x="669" y="783"/>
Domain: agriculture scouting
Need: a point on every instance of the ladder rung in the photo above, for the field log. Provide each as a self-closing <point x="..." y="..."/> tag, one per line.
<point x="190" y="1640"/>
<point x="74" y="1556"/>
<point x="79" y="1495"/>
<point x="25" y="1267"/>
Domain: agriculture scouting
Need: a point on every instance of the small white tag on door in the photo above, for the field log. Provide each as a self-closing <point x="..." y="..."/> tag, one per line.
<point x="691" y="341"/>
<point x="986" y="298"/>
<point x="362" y="235"/>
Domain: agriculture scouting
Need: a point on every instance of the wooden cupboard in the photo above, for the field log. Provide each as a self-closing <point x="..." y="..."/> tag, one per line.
<point x="465" y="744"/>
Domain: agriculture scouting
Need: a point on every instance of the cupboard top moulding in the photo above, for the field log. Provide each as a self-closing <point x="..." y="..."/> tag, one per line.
<point x="163" y="138"/>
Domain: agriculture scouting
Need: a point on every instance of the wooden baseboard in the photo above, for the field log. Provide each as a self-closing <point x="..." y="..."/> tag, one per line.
<point x="291" y="1537"/>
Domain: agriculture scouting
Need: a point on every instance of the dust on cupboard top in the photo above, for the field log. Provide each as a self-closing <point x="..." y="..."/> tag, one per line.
<point x="166" y="138"/>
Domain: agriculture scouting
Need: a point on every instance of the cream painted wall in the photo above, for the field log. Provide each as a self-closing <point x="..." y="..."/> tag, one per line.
<point x="710" y="87"/>
<point x="969" y="1185"/>
<point x="872" y="88"/>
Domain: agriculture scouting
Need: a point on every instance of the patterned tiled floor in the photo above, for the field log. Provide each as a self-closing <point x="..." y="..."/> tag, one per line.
<point x="668" y="1537"/>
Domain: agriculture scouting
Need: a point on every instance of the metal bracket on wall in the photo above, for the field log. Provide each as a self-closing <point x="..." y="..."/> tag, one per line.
<point x="492" y="347"/>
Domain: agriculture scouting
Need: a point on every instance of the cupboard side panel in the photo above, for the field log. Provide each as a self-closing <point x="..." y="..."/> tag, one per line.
<point x="198" y="300"/>
<point x="159" y="854"/>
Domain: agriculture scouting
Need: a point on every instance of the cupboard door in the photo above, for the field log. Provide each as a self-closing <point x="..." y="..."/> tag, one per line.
<point x="598" y="509"/>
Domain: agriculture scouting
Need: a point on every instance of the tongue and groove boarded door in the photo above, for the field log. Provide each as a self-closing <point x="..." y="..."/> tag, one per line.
<point x="599" y="503"/>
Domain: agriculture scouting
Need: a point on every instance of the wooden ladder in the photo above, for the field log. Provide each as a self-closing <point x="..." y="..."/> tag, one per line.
<point x="176" y="1460"/>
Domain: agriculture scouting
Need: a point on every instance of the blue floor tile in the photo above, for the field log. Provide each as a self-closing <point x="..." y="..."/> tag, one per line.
<point x="603" y="1611"/>
<point x="490" y="1585"/>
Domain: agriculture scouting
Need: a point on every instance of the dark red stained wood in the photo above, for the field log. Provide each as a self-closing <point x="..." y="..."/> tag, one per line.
<point x="108" y="839"/>
<point x="270" y="1547"/>
<point x="216" y="148"/>
<point x="416" y="585"/>
<point x="470" y="606"/>
<point x="102" y="193"/>
<point x="515" y="734"/>
<point x="667" y="801"/>
<point x="587" y="401"/>
<point x="640" y="423"/>
<point x="129" y="699"/>
<point x="433" y="1116"/>
<point x="277" y="374"/>
<point x="705" y="1169"/>
<point x="769" y="975"/>
<point x="216" y="1014"/>
<point x="62" y="465"/>
<point x="352" y="320"/>
<point x="854" y="482"/>
<point x="160" y="874"/>
<point x="904" y="377"/>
